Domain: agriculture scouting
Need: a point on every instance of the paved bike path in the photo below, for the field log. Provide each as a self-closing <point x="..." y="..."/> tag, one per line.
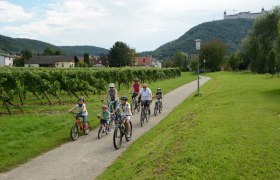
<point x="88" y="157"/>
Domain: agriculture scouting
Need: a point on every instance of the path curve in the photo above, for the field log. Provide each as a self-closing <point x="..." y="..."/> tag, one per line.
<point x="87" y="157"/>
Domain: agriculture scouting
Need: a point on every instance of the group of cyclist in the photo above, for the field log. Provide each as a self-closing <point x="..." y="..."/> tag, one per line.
<point x="123" y="109"/>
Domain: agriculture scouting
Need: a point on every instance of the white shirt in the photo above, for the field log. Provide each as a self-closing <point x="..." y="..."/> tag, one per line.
<point x="124" y="109"/>
<point x="82" y="109"/>
<point x="146" y="94"/>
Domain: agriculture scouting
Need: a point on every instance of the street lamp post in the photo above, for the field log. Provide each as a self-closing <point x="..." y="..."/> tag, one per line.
<point x="204" y="64"/>
<point x="197" y="46"/>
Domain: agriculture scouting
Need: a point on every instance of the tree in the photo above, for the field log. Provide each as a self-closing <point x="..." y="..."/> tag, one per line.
<point x="26" y="54"/>
<point x="121" y="55"/>
<point x="86" y="59"/>
<point x="233" y="62"/>
<point x="180" y="59"/>
<point x="48" y="51"/>
<point x="167" y="63"/>
<point x="214" y="51"/>
<point x="18" y="62"/>
<point x="261" y="45"/>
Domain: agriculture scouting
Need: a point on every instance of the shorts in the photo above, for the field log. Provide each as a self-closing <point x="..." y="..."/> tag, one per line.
<point x="104" y="121"/>
<point x="146" y="103"/>
<point x="82" y="116"/>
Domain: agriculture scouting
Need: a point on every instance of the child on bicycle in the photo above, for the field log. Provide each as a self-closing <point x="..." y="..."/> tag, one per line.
<point x="124" y="110"/>
<point x="105" y="115"/>
<point x="159" y="95"/>
<point x="82" y="111"/>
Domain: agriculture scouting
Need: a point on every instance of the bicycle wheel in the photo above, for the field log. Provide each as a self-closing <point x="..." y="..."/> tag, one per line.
<point x="130" y="133"/>
<point x="101" y="131"/>
<point x="138" y="106"/>
<point x="117" y="137"/>
<point x="142" y="117"/>
<point x="74" y="133"/>
<point x="87" y="129"/>
<point x="133" y="106"/>
<point x="160" y="108"/>
<point x="148" y="113"/>
<point x="156" y="108"/>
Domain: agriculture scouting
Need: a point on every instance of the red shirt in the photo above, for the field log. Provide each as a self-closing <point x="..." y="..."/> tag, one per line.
<point x="136" y="87"/>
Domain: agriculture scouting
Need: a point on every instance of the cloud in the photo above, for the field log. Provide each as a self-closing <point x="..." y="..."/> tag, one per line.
<point x="11" y="13"/>
<point x="142" y="24"/>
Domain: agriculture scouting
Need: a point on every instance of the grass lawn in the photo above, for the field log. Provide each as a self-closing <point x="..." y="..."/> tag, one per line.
<point x="231" y="132"/>
<point x="42" y="128"/>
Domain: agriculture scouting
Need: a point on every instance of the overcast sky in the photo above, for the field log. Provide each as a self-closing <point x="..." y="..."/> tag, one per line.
<point x="142" y="24"/>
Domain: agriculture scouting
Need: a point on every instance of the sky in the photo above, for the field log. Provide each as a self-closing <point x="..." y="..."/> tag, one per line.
<point x="142" y="24"/>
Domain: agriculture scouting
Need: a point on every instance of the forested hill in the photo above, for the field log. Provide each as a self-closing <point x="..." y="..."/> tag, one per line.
<point x="80" y="50"/>
<point x="16" y="45"/>
<point x="230" y="32"/>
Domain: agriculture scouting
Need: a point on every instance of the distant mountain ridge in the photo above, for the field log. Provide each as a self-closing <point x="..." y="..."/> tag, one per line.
<point x="229" y="31"/>
<point x="16" y="45"/>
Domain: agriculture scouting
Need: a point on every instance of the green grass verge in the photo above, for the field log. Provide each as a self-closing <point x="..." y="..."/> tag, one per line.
<point x="232" y="131"/>
<point x="42" y="128"/>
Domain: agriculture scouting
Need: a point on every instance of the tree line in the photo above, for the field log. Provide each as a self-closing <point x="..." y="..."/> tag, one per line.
<point x="260" y="50"/>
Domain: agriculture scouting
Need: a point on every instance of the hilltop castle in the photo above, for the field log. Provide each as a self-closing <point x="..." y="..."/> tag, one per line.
<point x="244" y="15"/>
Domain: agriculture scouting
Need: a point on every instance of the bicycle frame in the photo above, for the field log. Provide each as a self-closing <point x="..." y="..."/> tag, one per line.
<point x="121" y="122"/>
<point x="103" y="123"/>
<point x="78" y="121"/>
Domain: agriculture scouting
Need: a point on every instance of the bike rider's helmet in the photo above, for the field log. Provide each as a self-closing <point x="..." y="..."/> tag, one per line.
<point x="158" y="89"/>
<point x="81" y="99"/>
<point x="111" y="85"/>
<point x="124" y="98"/>
<point x="136" y="80"/>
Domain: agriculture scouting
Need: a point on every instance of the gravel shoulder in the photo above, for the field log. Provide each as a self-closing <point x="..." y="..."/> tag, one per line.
<point x="88" y="157"/>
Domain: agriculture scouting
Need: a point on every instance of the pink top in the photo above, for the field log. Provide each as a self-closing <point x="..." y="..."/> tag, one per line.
<point x="136" y="87"/>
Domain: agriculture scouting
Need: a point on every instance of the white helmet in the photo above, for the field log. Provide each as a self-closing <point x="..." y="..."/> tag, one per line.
<point x="111" y="85"/>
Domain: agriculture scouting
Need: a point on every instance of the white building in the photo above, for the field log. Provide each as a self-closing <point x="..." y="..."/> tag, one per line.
<point x="6" y="60"/>
<point x="244" y="15"/>
<point x="156" y="63"/>
<point x="51" y="61"/>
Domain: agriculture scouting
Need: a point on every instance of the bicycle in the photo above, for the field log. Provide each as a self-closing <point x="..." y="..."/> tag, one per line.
<point x="158" y="106"/>
<point x="104" y="129"/>
<point x="135" y="105"/>
<point x="110" y="105"/>
<point x="145" y="113"/>
<point x="120" y="131"/>
<point x="78" y="126"/>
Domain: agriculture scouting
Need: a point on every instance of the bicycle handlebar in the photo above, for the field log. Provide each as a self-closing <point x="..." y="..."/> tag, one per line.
<point x="74" y="113"/>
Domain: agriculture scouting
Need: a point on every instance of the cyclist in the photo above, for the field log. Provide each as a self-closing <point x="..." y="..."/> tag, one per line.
<point x="113" y="93"/>
<point x="159" y="95"/>
<point x="124" y="110"/>
<point x="105" y="114"/>
<point x="136" y="86"/>
<point x="82" y="110"/>
<point x="146" y="96"/>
